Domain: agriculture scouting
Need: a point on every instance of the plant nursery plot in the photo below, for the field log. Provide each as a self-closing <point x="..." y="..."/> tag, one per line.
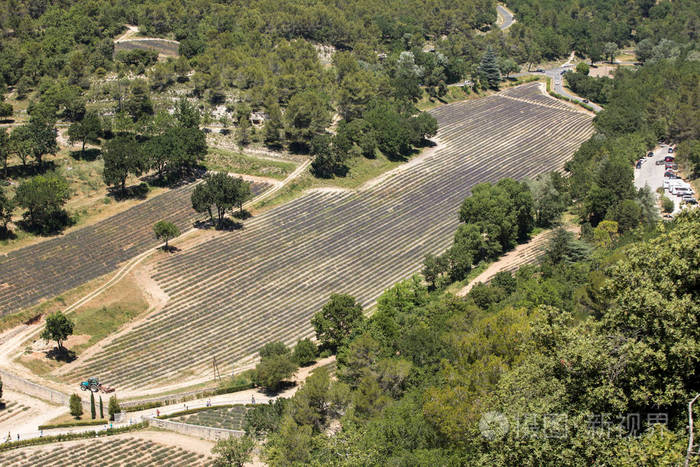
<point x="232" y="294"/>
<point x="52" y="267"/>
<point x="104" y="452"/>
<point x="230" y="418"/>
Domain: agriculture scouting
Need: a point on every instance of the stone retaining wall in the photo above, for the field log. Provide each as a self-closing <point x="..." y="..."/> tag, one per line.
<point x="206" y="432"/>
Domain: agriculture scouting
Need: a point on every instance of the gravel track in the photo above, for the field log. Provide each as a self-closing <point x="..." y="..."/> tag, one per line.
<point x="230" y="295"/>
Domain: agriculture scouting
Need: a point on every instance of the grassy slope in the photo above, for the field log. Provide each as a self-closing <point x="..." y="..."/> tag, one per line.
<point x="230" y="161"/>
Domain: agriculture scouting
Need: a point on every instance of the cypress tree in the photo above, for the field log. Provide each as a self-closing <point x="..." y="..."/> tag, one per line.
<point x="92" y="405"/>
<point x="102" y="414"/>
<point x="488" y="69"/>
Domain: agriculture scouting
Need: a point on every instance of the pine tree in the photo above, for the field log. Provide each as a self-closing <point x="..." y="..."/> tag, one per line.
<point x="92" y="405"/>
<point x="488" y="69"/>
<point x="102" y="414"/>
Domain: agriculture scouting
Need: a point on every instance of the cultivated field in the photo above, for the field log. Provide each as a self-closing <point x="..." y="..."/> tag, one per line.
<point x="230" y="418"/>
<point x="230" y="295"/>
<point x="50" y="268"/>
<point x="123" y="451"/>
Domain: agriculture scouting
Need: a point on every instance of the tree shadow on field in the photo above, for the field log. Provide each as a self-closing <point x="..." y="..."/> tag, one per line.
<point x="139" y="191"/>
<point x="242" y="214"/>
<point x="61" y="354"/>
<point x="90" y="154"/>
<point x="169" y="249"/>
<point x="283" y="386"/>
<point x="229" y="225"/>
<point x="30" y="170"/>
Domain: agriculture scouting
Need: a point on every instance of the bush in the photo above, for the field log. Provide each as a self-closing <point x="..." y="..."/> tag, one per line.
<point x="113" y="407"/>
<point x="70" y="424"/>
<point x="305" y="352"/>
<point x="667" y="204"/>
<point x="76" y="406"/>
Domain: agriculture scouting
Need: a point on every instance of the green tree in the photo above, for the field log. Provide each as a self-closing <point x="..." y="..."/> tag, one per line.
<point x="102" y="413"/>
<point x="57" y="328"/>
<point x="605" y="234"/>
<point x="186" y="114"/>
<point x="113" y="407"/>
<point x="338" y="317"/>
<point x="272" y="131"/>
<point x="307" y="115"/>
<point x="76" y="406"/>
<point x="305" y="352"/>
<point x="272" y="349"/>
<point x="271" y="371"/>
<point x="583" y="68"/>
<point x="123" y="156"/>
<point x="5" y="149"/>
<point x="433" y="269"/>
<point x="93" y="413"/>
<point x="233" y="451"/>
<point x="507" y="66"/>
<point x="88" y="129"/>
<point x="610" y="50"/>
<point x="489" y="72"/>
<point x="165" y="231"/>
<point x="222" y="191"/>
<point x="7" y="206"/>
<point x="43" y="196"/>
<point x="202" y="200"/>
<point x="667" y="204"/>
<point x="291" y="446"/>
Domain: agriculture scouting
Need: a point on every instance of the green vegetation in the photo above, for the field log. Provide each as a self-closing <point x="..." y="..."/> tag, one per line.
<point x="276" y="365"/>
<point x="76" y="406"/>
<point x="165" y="231"/>
<point x="421" y="374"/>
<point x="232" y="451"/>
<point x="228" y="161"/>
<point x="113" y="407"/>
<point x="72" y="424"/>
<point x="57" y="328"/>
<point x="222" y="191"/>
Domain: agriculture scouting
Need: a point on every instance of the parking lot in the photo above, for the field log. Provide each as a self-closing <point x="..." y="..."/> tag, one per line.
<point x="652" y="175"/>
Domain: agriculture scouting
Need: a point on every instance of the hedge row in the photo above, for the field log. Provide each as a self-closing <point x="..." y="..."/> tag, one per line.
<point x="69" y="437"/>
<point x="70" y="424"/>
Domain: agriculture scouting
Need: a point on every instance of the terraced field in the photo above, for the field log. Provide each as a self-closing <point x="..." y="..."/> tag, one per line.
<point x="54" y="266"/>
<point x="230" y="295"/>
<point x="230" y="418"/>
<point x="12" y="409"/>
<point x="123" y="452"/>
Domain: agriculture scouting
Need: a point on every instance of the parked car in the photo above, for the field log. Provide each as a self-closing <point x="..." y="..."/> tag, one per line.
<point x="670" y="149"/>
<point x="670" y="165"/>
<point x="669" y="159"/>
<point x="671" y="175"/>
<point x="585" y="101"/>
<point x="639" y="164"/>
<point x="690" y="200"/>
<point x="650" y="154"/>
<point x="660" y="162"/>
<point x="539" y="70"/>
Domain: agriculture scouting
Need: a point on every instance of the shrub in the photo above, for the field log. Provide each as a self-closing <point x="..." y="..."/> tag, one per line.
<point x="76" y="406"/>
<point x="113" y="407"/>
<point x="305" y="352"/>
<point x="667" y="204"/>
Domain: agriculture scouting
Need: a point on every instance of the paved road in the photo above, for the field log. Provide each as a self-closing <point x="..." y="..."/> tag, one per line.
<point x="507" y="16"/>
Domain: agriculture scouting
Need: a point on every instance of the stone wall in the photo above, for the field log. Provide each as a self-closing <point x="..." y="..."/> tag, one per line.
<point x="206" y="432"/>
